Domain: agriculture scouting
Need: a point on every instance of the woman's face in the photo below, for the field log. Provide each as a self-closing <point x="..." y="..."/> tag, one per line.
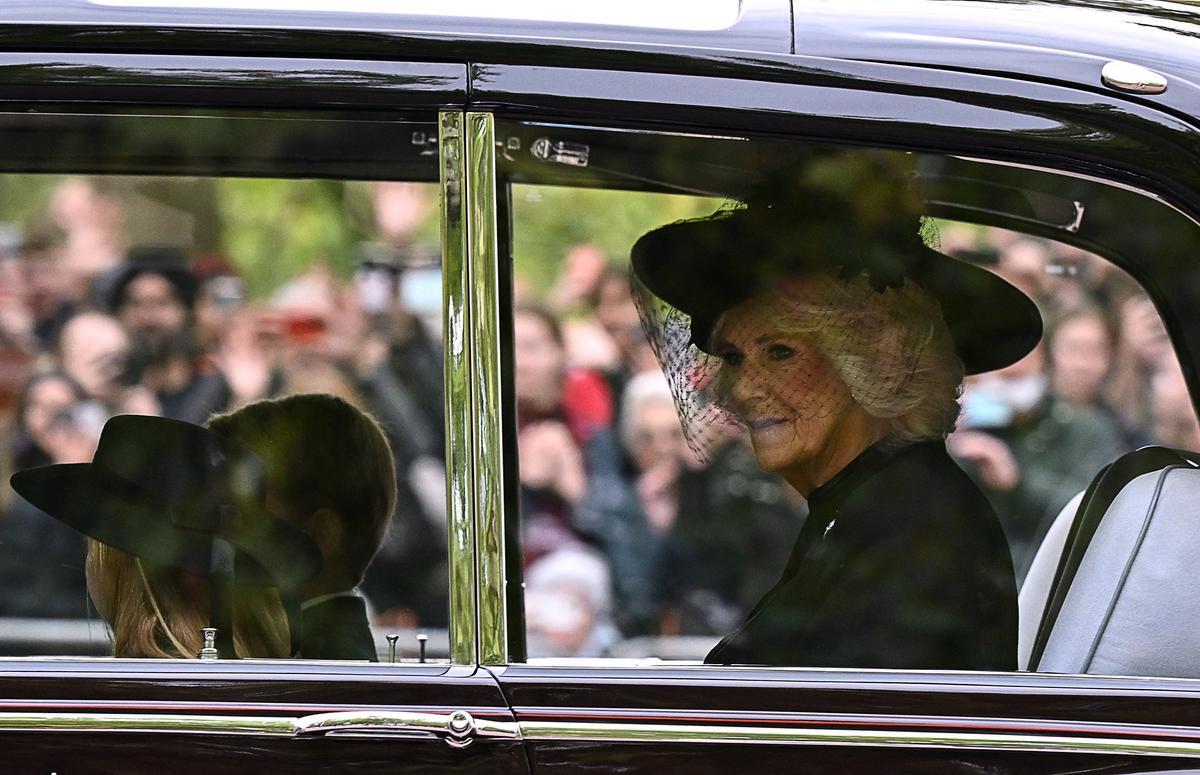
<point x="1080" y="356"/>
<point x="779" y="385"/>
<point x="48" y="400"/>
<point x="539" y="364"/>
<point x="656" y="437"/>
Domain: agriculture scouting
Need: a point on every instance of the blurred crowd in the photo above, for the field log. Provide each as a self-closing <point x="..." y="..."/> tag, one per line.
<point x="1104" y="380"/>
<point x="92" y="326"/>
<point x="626" y="534"/>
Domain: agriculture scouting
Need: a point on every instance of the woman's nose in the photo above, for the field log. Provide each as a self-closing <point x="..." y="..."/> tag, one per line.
<point x="745" y="390"/>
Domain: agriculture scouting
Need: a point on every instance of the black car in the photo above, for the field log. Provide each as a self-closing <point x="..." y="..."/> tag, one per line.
<point x="204" y="205"/>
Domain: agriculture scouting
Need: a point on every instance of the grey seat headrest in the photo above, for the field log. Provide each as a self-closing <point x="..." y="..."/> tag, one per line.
<point x="1133" y="607"/>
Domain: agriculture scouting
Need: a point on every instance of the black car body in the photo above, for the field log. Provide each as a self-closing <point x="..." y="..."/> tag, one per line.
<point x="1013" y="83"/>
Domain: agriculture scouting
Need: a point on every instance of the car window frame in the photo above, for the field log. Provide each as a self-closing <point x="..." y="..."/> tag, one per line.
<point x="1006" y="120"/>
<point x="145" y="86"/>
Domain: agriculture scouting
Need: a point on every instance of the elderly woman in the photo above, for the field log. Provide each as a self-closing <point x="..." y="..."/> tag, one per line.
<point x="827" y="330"/>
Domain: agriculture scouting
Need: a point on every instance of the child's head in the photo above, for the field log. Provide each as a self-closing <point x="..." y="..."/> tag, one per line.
<point x="329" y="472"/>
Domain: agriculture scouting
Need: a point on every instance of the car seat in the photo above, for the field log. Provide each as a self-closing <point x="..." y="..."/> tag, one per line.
<point x="1122" y="598"/>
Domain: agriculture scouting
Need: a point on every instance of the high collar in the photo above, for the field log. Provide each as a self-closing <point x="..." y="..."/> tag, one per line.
<point x="872" y="459"/>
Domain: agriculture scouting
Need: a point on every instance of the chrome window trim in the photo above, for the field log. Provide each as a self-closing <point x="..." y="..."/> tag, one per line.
<point x="486" y="398"/>
<point x="456" y="319"/>
<point x="537" y="731"/>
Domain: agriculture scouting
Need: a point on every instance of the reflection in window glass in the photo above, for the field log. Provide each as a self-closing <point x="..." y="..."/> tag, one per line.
<point x="816" y="427"/>
<point x="186" y="298"/>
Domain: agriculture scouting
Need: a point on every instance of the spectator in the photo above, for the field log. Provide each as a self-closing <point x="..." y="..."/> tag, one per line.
<point x="568" y="605"/>
<point x="153" y="297"/>
<point x="617" y="314"/>
<point x="93" y="351"/>
<point x="630" y="513"/>
<point x="1172" y="411"/>
<point x="91" y="220"/>
<point x="397" y="363"/>
<point x="1081" y="346"/>
<point x="1143" y="349"/>
<point x="559" y="413"/>
<point x="42" y="560"/>
<point x="1030" y="451"/>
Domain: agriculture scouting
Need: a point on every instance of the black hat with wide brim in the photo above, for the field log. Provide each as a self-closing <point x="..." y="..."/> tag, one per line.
<point x="706" y="266"/>
<point x="162" y="490"/>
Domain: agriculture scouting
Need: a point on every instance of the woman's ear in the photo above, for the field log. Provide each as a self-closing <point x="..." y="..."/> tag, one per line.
<point x="326" y="530"/>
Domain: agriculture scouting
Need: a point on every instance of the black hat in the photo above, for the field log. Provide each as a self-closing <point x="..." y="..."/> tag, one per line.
<point x="706" y="266"/>
<point x="163" y="490"/>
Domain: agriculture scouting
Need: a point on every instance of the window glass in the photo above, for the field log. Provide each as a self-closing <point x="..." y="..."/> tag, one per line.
<point x="800" y="405"/>
<point x="293" y="321"/>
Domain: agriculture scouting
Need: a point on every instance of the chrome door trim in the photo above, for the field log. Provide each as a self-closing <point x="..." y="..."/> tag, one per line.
<point x="148" y="722"/>
<point x="456" y="319"/>
<point x="537" y="731"/>
<point x="484" y="296"/>
<point x="457" y="727"/>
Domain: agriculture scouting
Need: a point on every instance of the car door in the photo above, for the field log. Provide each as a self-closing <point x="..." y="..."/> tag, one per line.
<point x="256" y="168"/>
<point x="587" y="161"/>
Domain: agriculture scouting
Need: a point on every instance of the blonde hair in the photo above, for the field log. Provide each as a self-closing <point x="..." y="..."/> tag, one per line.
<point x="160" y="613"/>
<point x="892" y="349"/>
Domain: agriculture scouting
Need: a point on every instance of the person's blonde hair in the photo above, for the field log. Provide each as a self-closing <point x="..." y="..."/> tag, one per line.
<point x="160" y="613"/>
<point x="891" y="348"/>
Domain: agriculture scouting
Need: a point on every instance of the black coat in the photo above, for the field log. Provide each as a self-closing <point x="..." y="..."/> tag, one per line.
<point x="901" y="564"/>
<point x="337" y="629"/>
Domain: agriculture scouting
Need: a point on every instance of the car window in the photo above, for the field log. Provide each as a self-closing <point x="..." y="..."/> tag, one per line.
<point x="222" y="390"/>
<point x="805" y="405"/>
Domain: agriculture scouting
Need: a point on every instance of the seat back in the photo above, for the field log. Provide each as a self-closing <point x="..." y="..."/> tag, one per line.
<point x="1123" y="601"/>
<point x="1035" y="590"/>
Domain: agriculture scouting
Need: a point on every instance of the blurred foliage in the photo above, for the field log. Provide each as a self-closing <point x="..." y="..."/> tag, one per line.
<point x="274" y="230"/>
<point x="23" y="198"/>
<point x="549" y="220"/>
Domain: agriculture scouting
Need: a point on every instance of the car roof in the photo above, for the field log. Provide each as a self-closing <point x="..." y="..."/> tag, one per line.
<point x="1064" y="42"/>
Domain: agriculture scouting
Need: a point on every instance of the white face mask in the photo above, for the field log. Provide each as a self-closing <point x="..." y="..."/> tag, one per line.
<point x="993" y="402"/>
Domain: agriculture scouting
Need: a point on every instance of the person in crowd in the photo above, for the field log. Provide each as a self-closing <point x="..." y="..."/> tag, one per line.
<point x="90" y="217"/>
<point x="1143" y="349"/>
<point x="568" y="604"/>
<point x="1022" y="262"/>
<point x="153" y="295"/>
<point x="309" y="482"/>
<point x="41" y="560"/>
<point x="93" y="350"/>
<point x="820" y="323"/>
<point x="397" y="365"/>
<point x="616" y="312"/>
<point x="1030" y="450"/>
<point x="1081" y="348"/>
<point x="564" y="418"/>
<point x="1174" y="416"/>
<point x="629" y="513"/>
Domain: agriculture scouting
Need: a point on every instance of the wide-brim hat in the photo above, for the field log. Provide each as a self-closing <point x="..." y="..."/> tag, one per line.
<point x="706" y="266"/>
<point x="163" y="490"/>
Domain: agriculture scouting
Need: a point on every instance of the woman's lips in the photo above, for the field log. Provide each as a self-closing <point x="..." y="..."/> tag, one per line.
<point x="766" y="422"/>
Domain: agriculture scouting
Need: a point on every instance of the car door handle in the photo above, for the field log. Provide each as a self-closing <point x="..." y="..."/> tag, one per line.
<point x="459" y="728"/>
